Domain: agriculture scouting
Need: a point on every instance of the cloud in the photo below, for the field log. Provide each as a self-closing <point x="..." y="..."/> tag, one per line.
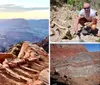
<point x="15" y="8"/>
<point x="35" y="14"/>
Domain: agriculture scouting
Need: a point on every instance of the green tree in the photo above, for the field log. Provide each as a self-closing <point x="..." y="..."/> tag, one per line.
<point x="78" y="4"/>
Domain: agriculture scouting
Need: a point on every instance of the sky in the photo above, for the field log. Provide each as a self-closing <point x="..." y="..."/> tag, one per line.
<point x="92" y="47"/>
<point x="28" y="9"/>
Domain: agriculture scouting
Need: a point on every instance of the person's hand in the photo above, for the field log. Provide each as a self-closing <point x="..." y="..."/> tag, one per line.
<point x="75" y="32"/>
<point x="88" y="24"/>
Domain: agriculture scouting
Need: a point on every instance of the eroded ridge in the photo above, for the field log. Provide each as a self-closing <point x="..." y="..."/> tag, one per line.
<point x="29" y="68"/>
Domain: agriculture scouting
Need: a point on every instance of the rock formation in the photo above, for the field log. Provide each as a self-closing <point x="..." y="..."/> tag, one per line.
<point x="4" y="56"/>
<point x="69" y="66"/>
<point x="30" y="67"/>
<point x="15" y="49"/>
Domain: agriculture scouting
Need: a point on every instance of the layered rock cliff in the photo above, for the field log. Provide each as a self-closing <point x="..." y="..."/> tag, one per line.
<point x="28" y="67"/>
<point x="76" y="67"/>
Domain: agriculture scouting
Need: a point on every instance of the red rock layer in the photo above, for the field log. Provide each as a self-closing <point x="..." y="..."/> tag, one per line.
<point x="63" y="51"/>
<point x="75" y="66"/>
<point x="5" y="55"/>
<point x="29" y="68"/>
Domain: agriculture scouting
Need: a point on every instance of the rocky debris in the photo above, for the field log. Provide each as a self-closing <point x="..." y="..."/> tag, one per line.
<point x="82" y="68"/>
<point x="15" y="49"/>
<point x="27" y="68"/>
<point x="61" y="20"/>
<point x="45" y="77"/>
<point x="62" y="25"/>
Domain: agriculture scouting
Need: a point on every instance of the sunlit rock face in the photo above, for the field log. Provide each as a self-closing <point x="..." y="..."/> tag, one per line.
<point x="80" y="68"/>
<point x="15" y="49"/>
<point x="30" y="67"/>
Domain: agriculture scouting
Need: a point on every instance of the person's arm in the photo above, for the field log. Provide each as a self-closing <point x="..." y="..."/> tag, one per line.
<point x="80" y="15"/>
<point x="77" y="22"/>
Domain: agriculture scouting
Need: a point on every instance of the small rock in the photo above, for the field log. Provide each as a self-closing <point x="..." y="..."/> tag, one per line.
<point x="52" y="32"/>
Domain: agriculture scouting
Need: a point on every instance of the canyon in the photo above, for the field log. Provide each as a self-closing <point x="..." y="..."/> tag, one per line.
<point x="74" y="65"/>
